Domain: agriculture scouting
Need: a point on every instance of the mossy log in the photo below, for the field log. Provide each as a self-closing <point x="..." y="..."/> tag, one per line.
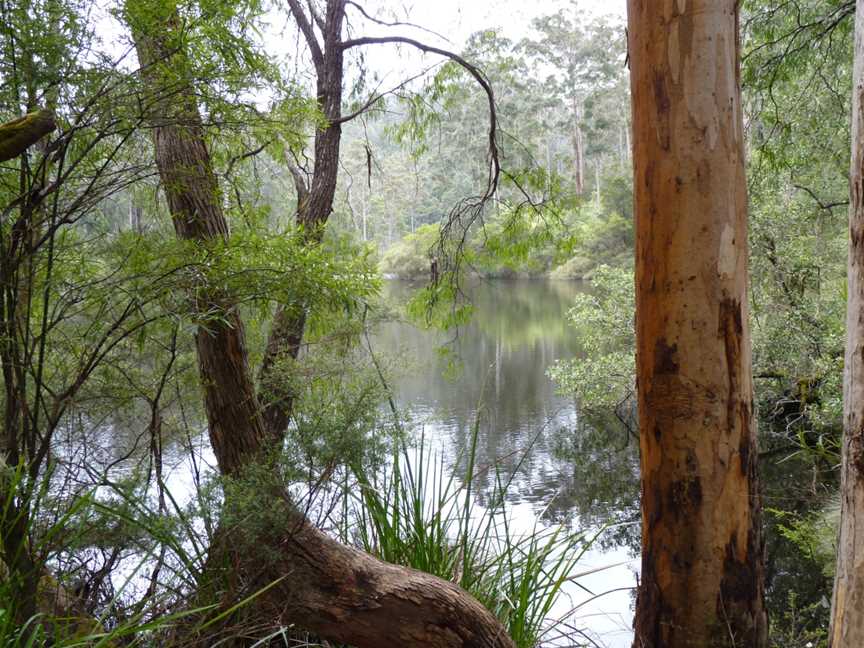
<point x="19" y="134"/>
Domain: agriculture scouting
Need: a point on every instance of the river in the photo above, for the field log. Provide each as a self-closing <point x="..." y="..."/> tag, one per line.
<point x="497" y="364"/>
<point x="565" y="471"/>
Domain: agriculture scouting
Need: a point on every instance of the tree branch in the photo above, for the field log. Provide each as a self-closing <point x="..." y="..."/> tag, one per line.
<point x="300" y="184"/>
<point x="309" y="34"/>
<point x="822" y="205"/>
<point x="394" y="24"/>
<point x="473" y="70"/>
<point x="19" y="134"/>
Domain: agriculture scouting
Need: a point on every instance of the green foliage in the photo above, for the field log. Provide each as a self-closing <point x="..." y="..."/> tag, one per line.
<point x="66" y="529"/>
<point x="603" y="320"/>
<point x="418" y="514"/>
<point x="814" y="533"/>
<point x="800" y="626"/>
<point x="411" y="257"/>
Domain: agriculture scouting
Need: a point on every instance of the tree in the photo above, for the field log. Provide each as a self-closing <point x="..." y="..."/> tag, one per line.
<point x="702" y="563"/>
<point x="328" y="588"/>
<point x="847" y="613"/>
<point x="58" y="326"/>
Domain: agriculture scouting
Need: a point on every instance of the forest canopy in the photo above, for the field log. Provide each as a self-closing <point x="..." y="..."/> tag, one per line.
<point x="320" y="327"/>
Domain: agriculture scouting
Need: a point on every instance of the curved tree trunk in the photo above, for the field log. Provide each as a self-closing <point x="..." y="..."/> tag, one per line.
<point x="702" y="548"/>
<point x="348" y="597"/>
<point x="337" y="592"/>
<point x="847" y="615"/>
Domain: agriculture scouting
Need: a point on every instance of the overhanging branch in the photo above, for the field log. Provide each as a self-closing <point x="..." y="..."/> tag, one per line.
<point x="473" y="70"/>
<point x="309" y="34"/>
<point x="19" y="134"/>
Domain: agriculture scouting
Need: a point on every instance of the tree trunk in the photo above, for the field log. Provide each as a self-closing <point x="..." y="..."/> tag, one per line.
<point x="194" y="201"/>
<point x="578" y="150"/>
<point x="289" y="324"/>
<point x="702" y="548"/>
<point x="847" y="615"/>
<point x="333" y="590"/>
<point x="348" y="597"/>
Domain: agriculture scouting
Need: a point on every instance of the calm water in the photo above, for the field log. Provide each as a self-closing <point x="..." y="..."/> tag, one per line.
<point x="566" y="471"/>
<point x="517" y="331"/>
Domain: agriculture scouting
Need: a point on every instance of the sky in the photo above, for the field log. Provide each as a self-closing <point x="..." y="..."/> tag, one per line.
<point x="455" y="21"/>
<point x="458" y="18"/>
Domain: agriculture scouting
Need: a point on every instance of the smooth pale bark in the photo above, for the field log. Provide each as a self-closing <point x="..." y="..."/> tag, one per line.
<point x="702" y="550"/>
<point x="339" y="593"/>
<point x="847" y="616"/>
<point x="578" y="151"/>
<point x="20" y="134"/>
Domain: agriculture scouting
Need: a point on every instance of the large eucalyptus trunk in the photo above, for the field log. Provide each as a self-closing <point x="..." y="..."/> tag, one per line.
<point x="337" y="592"/>
<point x="702" y="549"/>
<point x="847" y="616"/>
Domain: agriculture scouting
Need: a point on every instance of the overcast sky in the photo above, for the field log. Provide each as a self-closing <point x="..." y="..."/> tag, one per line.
<point x="455" y="20"/>
<point x="458" y="19"/>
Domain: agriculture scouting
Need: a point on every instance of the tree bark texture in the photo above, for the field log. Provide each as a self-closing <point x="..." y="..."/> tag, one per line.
<point x="702" y="549"/>
<point x="194" y="200"/>
<point x="847" y="615"/>
<point x="20" y="134"/>
<point x="339" y="593"/>
<point x="348" y="597"/>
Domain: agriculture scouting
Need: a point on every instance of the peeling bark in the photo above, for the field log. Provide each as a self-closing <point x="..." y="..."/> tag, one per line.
<point x="702" y="550"/>
<point x="847" y="613"/>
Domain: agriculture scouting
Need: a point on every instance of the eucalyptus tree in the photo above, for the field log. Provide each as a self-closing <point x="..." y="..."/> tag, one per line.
<point x="847" y="613"/>
<point x="702" y="574"/>
<point x="584" y="61"/>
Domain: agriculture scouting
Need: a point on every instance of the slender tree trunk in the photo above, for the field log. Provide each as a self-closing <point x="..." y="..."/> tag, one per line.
<point x="847" y="616"/>
<point x="702" y="549"/>
<point x="597" y="186"/>
<point x="289" y="323"/>
<point x="194" y="200"/>
<point x="578" y="150"/>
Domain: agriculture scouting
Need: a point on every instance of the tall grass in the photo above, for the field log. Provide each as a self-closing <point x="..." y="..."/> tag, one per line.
<point x="420" y="514"/>
<point x="60" y="526"/>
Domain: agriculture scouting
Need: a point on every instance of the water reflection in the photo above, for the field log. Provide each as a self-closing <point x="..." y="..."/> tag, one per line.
<point x="565" y="469"/>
